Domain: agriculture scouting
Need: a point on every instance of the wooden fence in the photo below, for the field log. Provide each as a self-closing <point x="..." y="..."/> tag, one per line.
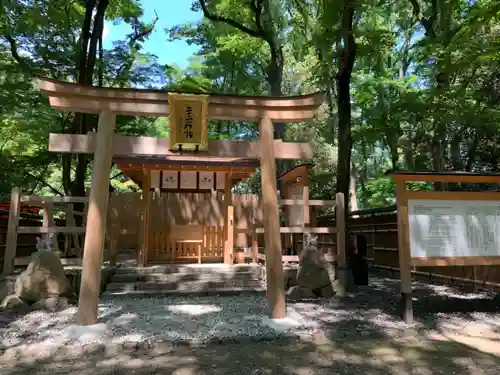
<point x="27" y="241"/>
<point x="60" y="217"/>
<point x="330" y="235"/>
<point x="379" y="226"/>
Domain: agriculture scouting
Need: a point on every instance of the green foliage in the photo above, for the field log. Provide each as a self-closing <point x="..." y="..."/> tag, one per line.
<point x="425" y="89"/>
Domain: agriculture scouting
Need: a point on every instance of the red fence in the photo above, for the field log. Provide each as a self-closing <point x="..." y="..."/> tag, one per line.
<point x="5" y="206"/>
<point x="379" y="226"/>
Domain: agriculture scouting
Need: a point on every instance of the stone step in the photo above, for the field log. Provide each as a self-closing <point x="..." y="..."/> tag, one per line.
<point x="180" y="277"/>
<point x="226" y="291"/>
<point x="190" y="269"/>
<point x="183" y="285"/>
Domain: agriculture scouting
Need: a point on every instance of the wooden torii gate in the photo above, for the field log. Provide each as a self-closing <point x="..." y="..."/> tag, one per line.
<point x="109" y="102"/>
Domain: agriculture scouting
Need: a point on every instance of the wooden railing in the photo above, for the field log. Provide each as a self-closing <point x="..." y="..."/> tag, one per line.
<point x="58" y="217"/>
<point x="331" y="238"/>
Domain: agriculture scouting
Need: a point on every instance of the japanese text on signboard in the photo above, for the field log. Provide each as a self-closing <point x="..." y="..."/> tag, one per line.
<point x="188" y="122"/>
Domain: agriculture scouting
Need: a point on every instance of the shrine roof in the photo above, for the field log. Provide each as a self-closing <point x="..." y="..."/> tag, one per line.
<point x="297" y="170"/>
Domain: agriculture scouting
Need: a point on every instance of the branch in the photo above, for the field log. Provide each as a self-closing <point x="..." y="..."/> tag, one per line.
<point x="257" y="6"/>
<point x="116" y="176"/>
<point x="228" y="21"/>
<point x="416" y="9"/>
<point x="40" y="180"/>
<point x="15" y="54"/>
<point x="139" y="34"/>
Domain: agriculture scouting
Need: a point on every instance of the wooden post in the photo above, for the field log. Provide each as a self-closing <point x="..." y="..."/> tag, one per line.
<point x="274" y="263"/>
<point x="48" y="221"/>
<point x="229" y="248"/>
<point x="255" y="246"/>
<point x="96" y="223"/>
<point x="146" y="208"/>
<point x="229" y="220"/>
<point x="70" y="222"/>
<point x="342" y="269"/>
<point x="114" y="229"/>
<point x="305" y="198"/>
<point x="11" y="243"/>
<point x="305" y="211"/>
<point x="404" y="251"/>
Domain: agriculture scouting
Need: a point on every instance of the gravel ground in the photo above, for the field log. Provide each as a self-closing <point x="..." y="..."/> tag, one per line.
<point x="454" y="333"/>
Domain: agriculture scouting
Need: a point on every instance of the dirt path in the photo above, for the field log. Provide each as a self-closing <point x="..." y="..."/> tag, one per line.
<point x="421" y="353"/>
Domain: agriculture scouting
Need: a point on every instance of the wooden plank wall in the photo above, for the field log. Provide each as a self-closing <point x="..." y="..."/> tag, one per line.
<point x="180" y="217"/>
<point x="128" y="206"/>
<point x="247" y="215"/>
<point x="182" y="209"/>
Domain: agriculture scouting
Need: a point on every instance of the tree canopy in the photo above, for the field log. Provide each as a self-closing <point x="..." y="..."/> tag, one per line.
<point x="409" y="84"/>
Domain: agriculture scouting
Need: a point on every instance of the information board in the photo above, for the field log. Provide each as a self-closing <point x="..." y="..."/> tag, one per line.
<point x="454" y="228"/>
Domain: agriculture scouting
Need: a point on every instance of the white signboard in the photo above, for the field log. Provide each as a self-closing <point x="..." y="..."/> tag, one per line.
<point x="169" y="180"/>
<point x="188" y="180"/>
<point x="454" y="228"/>
<point x="296" y="212"/>
<point x="206" y="180"/>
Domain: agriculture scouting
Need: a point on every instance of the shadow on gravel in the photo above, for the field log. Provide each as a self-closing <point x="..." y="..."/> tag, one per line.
<point x="9" y="316"/>
<point x="362" y="335"/>
<point x="353" y="355"/>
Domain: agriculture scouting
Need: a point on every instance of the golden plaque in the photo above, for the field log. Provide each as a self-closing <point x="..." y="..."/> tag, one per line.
<point x="188" y="122"/>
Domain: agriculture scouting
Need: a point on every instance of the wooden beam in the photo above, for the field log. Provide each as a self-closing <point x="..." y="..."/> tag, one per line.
<point x="295" y="258"/>
<point x="455" y="261"/>
<point x="96" y="222"/>
<point x="493" y="178"/>
<point x="135" y="108"/>
<point x="24" y="261"/>
<point x="138" y="165"/>
<point x="55" y="87"/>
<point x="274" y="265"/>
<point x="224" y="150"/>
<point x="312" y="202"/>
<point x="12" y="228"/>
<point x="51" y="229"/>
<point x="87" y="99"/>
<point x="30" y="199"/>
<point x="300" y="230"/>
<point x="453" y="195"/>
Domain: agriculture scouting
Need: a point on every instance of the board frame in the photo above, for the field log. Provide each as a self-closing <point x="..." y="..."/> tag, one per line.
<point x="406" y="261"/>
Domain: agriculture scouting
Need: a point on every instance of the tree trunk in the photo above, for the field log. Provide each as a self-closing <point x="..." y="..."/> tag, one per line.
<point x="346" y="64"/>
<point x="86" y="61"/>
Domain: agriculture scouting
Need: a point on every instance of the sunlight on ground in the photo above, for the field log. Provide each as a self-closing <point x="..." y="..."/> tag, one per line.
<point x="364" y="330"/>
<point x="194" y="309"/>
